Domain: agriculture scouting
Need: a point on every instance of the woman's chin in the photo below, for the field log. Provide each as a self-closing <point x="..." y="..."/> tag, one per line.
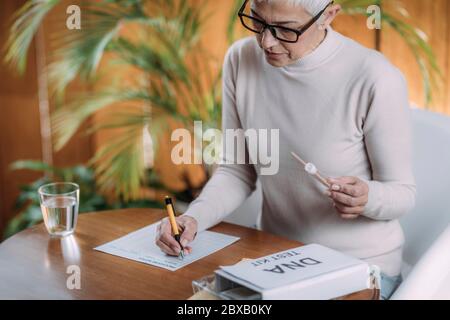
<point x="277" y="62"/>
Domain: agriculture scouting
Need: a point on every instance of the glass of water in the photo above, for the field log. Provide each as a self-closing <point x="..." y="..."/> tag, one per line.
<point x="59" y="206"/>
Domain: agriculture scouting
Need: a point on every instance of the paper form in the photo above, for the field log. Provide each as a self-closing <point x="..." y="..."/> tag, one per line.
<point x="140" y="246"/>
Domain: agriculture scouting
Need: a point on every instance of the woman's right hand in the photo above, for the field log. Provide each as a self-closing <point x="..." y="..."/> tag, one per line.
<point x="166" y="241"/>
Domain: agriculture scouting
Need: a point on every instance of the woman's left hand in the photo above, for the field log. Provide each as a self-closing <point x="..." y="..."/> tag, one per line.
<point x="350" y="196"/>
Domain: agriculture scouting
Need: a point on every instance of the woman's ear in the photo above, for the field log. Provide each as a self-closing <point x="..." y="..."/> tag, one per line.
<point x="329" y="15"/>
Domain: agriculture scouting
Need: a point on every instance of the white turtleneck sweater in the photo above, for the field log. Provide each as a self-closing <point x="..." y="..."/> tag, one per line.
<point x="342" y="107"/>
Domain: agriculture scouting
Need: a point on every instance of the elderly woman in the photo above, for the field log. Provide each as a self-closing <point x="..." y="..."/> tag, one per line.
<point x="337" y="104"/>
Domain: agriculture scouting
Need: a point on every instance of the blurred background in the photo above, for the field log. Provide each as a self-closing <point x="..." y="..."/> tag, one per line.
<point x="97" y="105"/>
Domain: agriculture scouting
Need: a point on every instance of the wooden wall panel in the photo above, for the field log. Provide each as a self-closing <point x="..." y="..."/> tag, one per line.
<point x="432" y="18"/>
<point x="446" y="70"/>
<point x="355" y="27"/>
<point x="19" y="124"/>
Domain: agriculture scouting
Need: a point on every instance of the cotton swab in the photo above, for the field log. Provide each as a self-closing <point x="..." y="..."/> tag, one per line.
<point x="312" y="170"/>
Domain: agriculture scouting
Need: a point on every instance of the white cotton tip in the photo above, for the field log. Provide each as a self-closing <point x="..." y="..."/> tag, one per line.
<point x="310" y="168"/>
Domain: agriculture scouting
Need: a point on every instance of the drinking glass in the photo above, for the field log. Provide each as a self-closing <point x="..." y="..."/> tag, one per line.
<point x="59" y="206"/>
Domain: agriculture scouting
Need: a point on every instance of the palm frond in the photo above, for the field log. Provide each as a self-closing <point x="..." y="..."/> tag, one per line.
<point x="119" y="165"/>
<point x="27" y="22"/>
<point x="66" y="121"/>
<point x="232" y="19"/>
<point x="163" y="62"/>
<point x="79" y="52"/>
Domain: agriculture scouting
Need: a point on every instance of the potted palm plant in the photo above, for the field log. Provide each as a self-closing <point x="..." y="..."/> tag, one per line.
<point x="171" y="77"/>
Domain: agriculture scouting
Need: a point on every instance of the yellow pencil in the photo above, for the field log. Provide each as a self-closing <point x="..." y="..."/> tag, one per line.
<point x="173" y="223"/>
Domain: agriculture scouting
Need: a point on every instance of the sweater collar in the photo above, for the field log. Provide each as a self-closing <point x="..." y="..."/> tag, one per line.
<point x="319" y="55"/>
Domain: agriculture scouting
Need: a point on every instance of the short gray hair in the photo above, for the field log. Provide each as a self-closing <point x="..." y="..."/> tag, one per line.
<point x="313" y="7"/>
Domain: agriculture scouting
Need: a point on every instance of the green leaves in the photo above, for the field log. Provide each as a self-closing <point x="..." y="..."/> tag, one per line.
<point x="27" y="22"/>
<point x="66" y="121"/>
<point x="233" y="18"/>
<point x="79" y="52"/>
<point x="32" y="165"/>
<point x="121" y="160"/>
<point x="162" y="61"/>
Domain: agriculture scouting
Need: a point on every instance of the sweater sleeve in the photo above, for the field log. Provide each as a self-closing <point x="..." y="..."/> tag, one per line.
<point x="388" y="139"/>
<point x="230" y="184"/>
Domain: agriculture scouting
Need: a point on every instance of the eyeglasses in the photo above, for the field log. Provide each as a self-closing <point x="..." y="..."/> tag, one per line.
<point x="281" y="33"/>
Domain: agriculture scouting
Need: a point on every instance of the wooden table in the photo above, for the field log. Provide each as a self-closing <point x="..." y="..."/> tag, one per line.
<point x="33" y="265"/>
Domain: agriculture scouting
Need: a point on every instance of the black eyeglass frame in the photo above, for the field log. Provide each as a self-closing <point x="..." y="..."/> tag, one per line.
<point x="271" y="27"/>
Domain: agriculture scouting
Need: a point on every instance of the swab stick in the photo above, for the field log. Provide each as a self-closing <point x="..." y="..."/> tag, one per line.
<point x="311" y="170"/>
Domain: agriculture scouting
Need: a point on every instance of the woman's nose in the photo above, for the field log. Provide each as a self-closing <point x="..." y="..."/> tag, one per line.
<point x="267" y="39"/>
